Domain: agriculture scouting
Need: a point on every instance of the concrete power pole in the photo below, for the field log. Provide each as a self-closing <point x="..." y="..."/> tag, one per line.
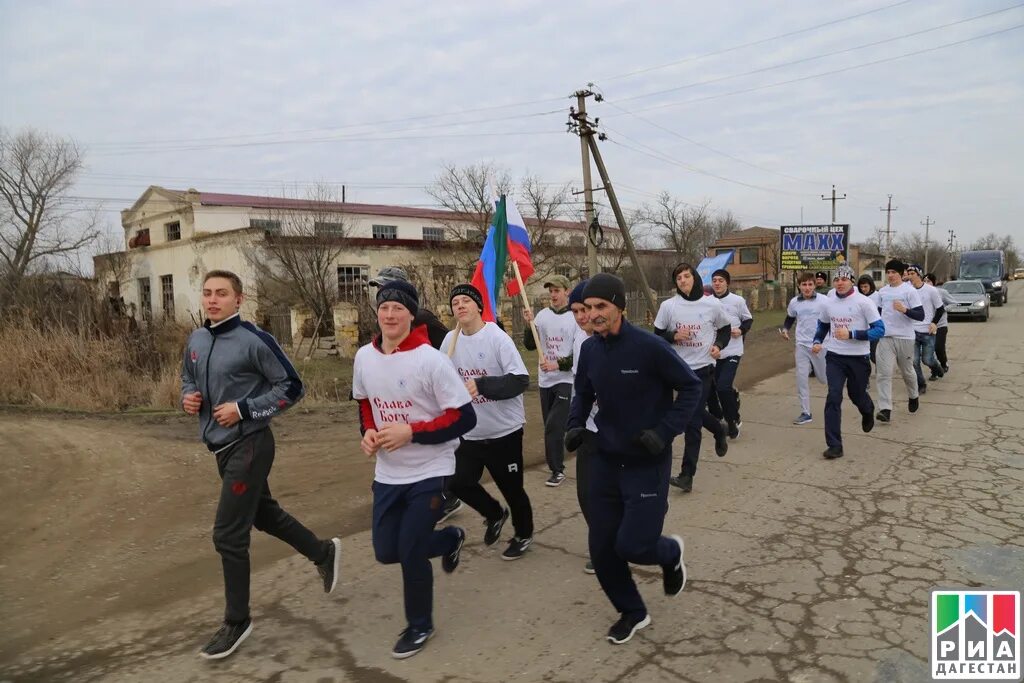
<point x="949" y="250"/>
<point x="927" y="223"/>
<point x="888" y="227"/>
<point x="588" y="190"/>
<point x="833" y="199"/>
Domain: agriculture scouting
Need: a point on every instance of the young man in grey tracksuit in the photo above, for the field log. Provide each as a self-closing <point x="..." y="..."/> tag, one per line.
<point x="236" y="378"/>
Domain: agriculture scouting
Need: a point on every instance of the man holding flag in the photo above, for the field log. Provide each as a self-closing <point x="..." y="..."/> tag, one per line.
<point x="553" y="331"/>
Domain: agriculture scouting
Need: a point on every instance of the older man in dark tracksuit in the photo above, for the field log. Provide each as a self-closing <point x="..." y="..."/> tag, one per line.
<point x="635" y="377"/>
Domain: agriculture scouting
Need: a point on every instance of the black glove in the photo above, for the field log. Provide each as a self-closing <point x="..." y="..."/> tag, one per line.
<point x="574" y="438"/>
<point x="650" y="440"/>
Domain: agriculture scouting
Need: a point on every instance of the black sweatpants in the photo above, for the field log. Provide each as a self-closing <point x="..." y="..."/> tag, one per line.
<point x="554" y="411"/>
<point x="503" y="458"/>
<point x="628" y="502"/>
<point x="853" y="372"/>
<point x="940" y="346"/>
<point x="728" y="397"/>
<point x="584" y="455"/>
<point x="692" y="436"/>
<point x="246" y="502"/>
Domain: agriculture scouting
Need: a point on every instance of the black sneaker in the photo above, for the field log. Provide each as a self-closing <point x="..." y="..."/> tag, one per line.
<point x="493" y="529"/>
<point x="226" y="640"/>
<point x="673" y="578"/>
<point x="555" y="479"/>
<point x="884" y="416"/>
<point x="623" y="629"/>
<point x="330" y="568"/>
<point x="588" y="568"/>
<point x="517" y="547"/>
<point x="833" y="452"/>
<point x="732" y="429"/>
<point x="450" y="561"/>
<point x="913" y="404"/>
<point x="411" y="641"/>
<point x="867" y="422"/>
<point x="922" y="388"/>
<point x="451" y="506"/>
<point x="683" y="482"/>
<point x="722" y="443"/>
<point x="945" y="369"/>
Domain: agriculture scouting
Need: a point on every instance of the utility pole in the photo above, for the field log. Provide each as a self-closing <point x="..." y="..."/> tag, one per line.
<point x="949" y="248"/>
<point x="580" y="125"/>
<point x="927" y="223"/>
<point x="888" y="227"/>
<point x="833" y="199"/>
<point x="585" y="132"/>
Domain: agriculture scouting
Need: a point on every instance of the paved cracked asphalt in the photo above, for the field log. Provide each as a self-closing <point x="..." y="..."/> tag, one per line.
<point x="800" y="569"/>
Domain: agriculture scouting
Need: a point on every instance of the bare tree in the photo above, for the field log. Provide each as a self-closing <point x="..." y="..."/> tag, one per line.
<point x="38" y="221"/>
<point x="684" y="228"/>
<point x="467" y="192"/>
<point x="722" y="224"/>
<point x="541" y="205"/>
<point x="297" y="261"/>
<point x="911" y="248"/>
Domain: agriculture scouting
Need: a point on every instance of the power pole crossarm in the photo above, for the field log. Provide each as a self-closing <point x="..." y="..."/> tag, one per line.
<point x="927" y="223"/>
<point x="888" y="227"/>
<point x="833" y="199"/>
<point x="587" y="132"/>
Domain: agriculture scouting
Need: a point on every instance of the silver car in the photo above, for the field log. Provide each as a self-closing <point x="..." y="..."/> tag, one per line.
<point x="969" y="299"/>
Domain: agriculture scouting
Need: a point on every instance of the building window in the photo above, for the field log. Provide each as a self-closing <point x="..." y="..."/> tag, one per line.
<point x="328" y="229"/>
<point x="876" y="275"/>
<point x="172" y="231"/>
<point x="719" y="252"/>
<point x="433" y="234"/>
<point x="265" y="225"/>
<point x="145" y="298"/>
<point x="576" y="241"/>
<point x="167" y="295"/>
<point x="564" y="270"/>
<point x="352" y="283"/>
<point x="750" y="255"/>
<point x="385" y="232"/>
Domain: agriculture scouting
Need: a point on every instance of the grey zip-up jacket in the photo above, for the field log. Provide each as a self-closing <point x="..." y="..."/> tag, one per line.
<point x="238" y="362"/>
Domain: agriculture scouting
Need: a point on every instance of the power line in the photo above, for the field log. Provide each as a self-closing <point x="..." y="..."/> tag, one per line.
<point x="834" y="71"/>
<point x="816" y="57"/>
<point x="754" y="43"/>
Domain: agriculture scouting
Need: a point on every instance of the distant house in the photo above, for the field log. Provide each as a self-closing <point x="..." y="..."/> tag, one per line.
<point x="755" y="257"/>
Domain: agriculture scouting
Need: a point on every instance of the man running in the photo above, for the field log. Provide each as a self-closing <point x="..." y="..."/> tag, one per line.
<point x="557" y="329"/>
<point x="804" y="310"/>
<point x="489" y="363"/>
<point x="852" y="320"/>
<point x="413" y="407"/>
<point x="236" y="378"/>
<point x="698" y="328"/>
<point x="900" y="307"/>
<point x="729" y="361"/>
<point x="925" y="330"/>
<point x="647" y="397"/>
<point x="943" y="324"/>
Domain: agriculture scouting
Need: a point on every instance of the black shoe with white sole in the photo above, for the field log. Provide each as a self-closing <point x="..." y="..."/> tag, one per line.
<point x="673" y="577"/>
<point x="517" y="547"/>
<point x="411" y="641"/>
<point x="833" y="452"/>
<point x="226" y="640"/>
<point x="884" y="415"/>
<point x="493" y="528"/>
<point x="623" y="629"/>
<point x="329" y="569"/>
<point x="722" y="443"/>
<point x="451" y="506"/>
<point x="450" y="561"/>
<point x="555" y="479"/>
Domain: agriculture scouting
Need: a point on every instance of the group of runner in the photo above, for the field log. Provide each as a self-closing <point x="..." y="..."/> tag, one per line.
<point x="436" y="411"/>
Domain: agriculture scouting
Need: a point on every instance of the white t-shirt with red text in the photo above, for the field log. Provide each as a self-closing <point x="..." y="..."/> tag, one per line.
<point x="489" y="353"/>
<point x="577" y="344"/>
<point x="853" y="312"/>
<point x="417" y="385"/>
<point x="702" y="318"/>
<point x="556" y="330"/>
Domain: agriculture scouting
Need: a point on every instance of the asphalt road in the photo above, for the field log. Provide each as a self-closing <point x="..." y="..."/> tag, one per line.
<point x="800" y="569"/>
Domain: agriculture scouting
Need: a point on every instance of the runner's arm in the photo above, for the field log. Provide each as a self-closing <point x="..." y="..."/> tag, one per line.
<point x="875" y="331"/>
<point x="688" y="392"/>
<point x="916" y="313"/>
<point x="450" y="425"/>
<point x="502" y="387"/>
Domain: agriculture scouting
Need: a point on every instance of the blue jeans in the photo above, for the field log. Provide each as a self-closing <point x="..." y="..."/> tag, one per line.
<point x="924" y="352"/>
<point x="404" y="516"/>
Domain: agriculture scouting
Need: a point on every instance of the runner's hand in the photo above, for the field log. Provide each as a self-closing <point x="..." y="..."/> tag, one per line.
<point x="899" y="306"/>
<point x="651" y="442"/>
<point x="527" y="315"/>
<point x="369" y="443"/>
<point x="192" y="402"/>
<point x="549" y="366"/>
<point x="226" y="414"/>
<point x="842" y="333"/>
<point x="574" y="439"/>
<point x="715" y="352"/>
<point x="816" y="349"/>
<point x="736" y="332"/>
<point x="394" y="436"/>
<point x="932" y="328"/>
<point x="682" y="334"/>
<point x="471" y="388"/>
<point x="784" y="332"/>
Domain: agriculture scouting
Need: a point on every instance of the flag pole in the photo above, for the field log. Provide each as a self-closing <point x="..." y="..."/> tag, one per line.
<point x="526" y="305"/>
<point x="455" y="339"/>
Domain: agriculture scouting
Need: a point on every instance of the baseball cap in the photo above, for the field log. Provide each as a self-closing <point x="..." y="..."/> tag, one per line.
<point x="389" y="274"/>
<point x="558" y="281"/>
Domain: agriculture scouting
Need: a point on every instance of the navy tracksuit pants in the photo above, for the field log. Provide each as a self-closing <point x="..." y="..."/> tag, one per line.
<point x="692" y="438"/>
<point x="626" y="514"/>
<point x="404" y="516"/>
<point x="854" y="372"/>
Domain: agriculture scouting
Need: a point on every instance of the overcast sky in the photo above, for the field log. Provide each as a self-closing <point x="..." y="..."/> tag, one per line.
<point x="251" y="97"/>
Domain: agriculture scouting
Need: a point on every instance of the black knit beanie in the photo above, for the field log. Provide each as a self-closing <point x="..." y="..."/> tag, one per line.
<point x="897" y="265"/>
<point x="466" y="290"/>
<point x="724" y="274"/>
<point x="608" y="287"/>
<point x="401" y="292"/>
